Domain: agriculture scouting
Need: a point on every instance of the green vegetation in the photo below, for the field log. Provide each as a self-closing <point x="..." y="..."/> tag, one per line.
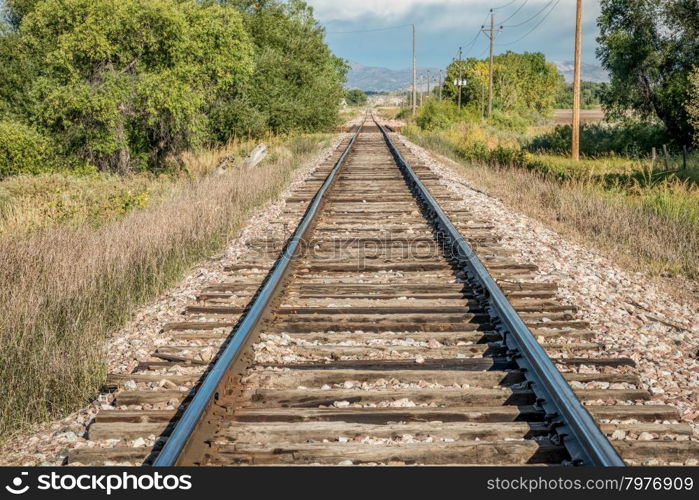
<point x="129" y="85"/>
<point x="590" y="95"/>
<point x="297" y="84"/>
<point x="650" y="49"/>
<point x="356" y="97"/>
<point x="632" y="139"/>
<point x="524" y="84"/>
<point x="23" y="149"/>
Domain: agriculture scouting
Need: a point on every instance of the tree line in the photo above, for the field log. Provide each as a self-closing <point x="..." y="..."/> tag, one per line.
<point x="590" y="95"/>
<point x="126" y="85"/>
<point x="523" y="84"/>
<point x="649" y="48"/>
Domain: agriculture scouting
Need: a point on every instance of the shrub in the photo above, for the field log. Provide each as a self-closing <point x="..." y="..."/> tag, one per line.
<point x="356" y="97"/>
<point x="509" y="121"/>
<point x="597" y="139"/>
<point x="435" y="115"/>
<point x="23" y="150"/>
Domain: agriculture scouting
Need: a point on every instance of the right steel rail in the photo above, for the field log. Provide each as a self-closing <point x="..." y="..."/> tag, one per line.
<point x="580" y="434"/>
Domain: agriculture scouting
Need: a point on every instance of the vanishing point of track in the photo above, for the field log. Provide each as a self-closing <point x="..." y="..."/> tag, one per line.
<point x="390" y="328"/>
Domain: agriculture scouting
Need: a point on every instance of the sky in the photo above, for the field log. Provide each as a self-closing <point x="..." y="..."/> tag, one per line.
<point x="444" y="25"/>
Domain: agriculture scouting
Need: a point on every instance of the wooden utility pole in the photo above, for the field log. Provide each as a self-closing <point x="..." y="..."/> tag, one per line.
<point x="441" y="84"/>
<point x="458" y="82"/>
<point x="491" y="36"/>
<point x="575" y="142"/>
<point x="414" y="74"/>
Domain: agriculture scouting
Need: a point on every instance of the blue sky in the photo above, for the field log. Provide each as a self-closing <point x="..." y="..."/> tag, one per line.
<point x="443" y="25"/>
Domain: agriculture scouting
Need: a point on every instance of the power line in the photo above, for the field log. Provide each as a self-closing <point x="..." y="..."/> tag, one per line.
<point x="535" y="26"/>
<point x="472" y="43"/>
<point x="515" y="12"/>
<point x="533" y="17"/>
<point x="503" y="6"/>
<point x="367" y="31"/>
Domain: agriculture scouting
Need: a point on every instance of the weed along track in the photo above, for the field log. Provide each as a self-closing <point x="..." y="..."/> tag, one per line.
<point x="390" y="328"/>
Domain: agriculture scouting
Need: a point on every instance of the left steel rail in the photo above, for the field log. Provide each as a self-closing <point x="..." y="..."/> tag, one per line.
<point x="207" y="392"/>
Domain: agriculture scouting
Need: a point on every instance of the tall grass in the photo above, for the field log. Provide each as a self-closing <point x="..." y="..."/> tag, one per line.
<point x="32" y="203"/>
<point x="66" y="288"/>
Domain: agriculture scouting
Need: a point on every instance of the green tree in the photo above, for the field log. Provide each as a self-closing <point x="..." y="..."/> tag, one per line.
<point x="590" y="95"/>
<point x="124" y="84"/>
<point x="649" y="48"/>
<point x="356" y="97"/>
<point x="298" y="82"/>
<point x="473" y="74"/>
<point x="522" y="83"/>
<point x="127" y="82"/>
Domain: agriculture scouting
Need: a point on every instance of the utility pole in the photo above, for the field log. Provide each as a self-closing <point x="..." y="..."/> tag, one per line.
<point x="441" y="84"/>
<point x="575" y="142"/>
<point x="459" y="80"/>
<point x="491" y="36"/>
<point x="414" y="73"/>
<point x="482" y="106"/>
<point x="428" y="83"/>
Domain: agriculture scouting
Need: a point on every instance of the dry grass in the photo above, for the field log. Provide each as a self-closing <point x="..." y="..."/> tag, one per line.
<point x="388" y="112"/>
<point x="630" y="228"/>
<point x="31" y="203"/>
<point x="64" y="289"/>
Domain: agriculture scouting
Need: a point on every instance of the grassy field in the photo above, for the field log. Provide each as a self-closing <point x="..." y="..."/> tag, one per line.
<point x="32" y="203"/>
<point x="646" y="216"/>
<point x="69" y="280"/>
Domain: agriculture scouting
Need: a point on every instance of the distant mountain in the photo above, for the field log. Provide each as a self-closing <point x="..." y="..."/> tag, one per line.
<point x="588" y="72"/>
<point x="377" y="79"/>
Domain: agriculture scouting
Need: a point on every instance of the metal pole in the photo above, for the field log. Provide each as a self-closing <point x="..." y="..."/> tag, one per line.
<point x="414" y="73"/>
<point x="460" y="77"/>
<point x="575" y="141"/>
<point x="422" y="91"/>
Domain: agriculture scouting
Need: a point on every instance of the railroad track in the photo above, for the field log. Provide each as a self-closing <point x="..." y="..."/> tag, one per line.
<point x="373" y="334"/>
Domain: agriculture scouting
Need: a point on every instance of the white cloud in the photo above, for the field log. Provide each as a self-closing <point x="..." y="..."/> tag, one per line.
<point x="332" y="10"/>
<point x="440" y="14"/>
<point x="444" y="25"/>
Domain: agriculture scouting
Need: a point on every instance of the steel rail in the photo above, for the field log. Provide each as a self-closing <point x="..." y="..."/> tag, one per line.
<point x="206" y="393"/>
<point x="583" y="439"/>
